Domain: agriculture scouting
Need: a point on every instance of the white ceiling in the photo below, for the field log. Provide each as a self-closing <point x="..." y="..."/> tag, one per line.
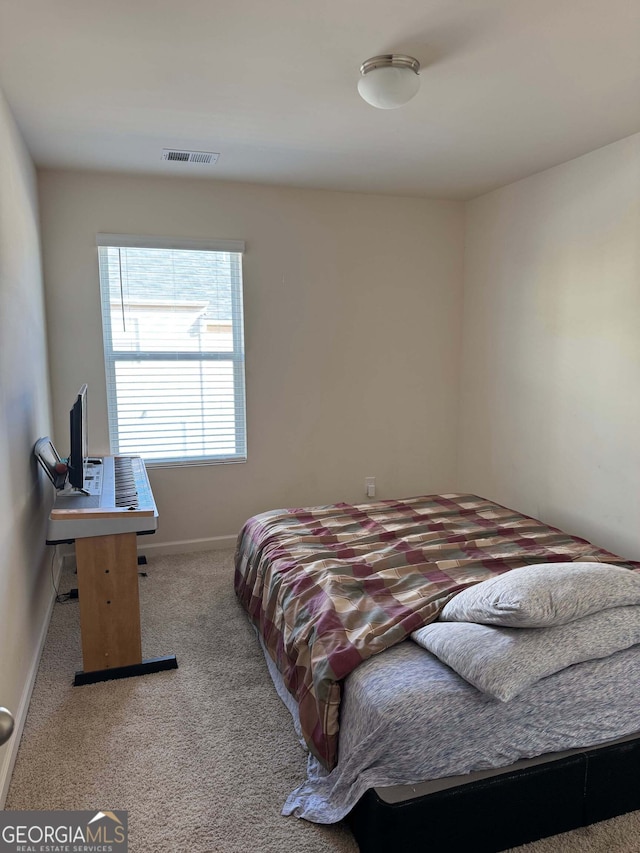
<point x="509" y="87"/>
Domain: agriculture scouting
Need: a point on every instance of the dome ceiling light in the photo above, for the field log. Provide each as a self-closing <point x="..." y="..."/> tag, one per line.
<point x="389" y="81"/>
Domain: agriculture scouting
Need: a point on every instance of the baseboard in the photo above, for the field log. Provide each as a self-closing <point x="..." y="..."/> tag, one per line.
<point x="185" y="546"/>
<point x="147" y="546"/>
<point x="20" y="715"/>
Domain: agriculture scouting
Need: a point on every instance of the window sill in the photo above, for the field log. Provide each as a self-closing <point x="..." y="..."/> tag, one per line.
<point x="188" y="463"/>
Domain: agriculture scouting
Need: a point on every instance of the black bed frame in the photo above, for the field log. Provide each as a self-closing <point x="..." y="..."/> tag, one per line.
<point x="507" y="810"/>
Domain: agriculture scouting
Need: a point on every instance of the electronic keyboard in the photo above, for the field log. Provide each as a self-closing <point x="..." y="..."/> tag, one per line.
<point x="116" y="498"/>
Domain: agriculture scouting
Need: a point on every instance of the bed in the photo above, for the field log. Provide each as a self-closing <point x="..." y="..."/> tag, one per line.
<point x="350" y="606"/>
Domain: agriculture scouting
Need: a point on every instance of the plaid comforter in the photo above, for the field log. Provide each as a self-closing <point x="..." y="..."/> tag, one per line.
<point x="328" y="587"/>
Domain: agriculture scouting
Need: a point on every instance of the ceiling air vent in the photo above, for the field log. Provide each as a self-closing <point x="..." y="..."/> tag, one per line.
<point x="204" y="157"/>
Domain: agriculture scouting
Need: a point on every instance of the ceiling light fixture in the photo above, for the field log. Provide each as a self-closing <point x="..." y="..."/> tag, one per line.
<point x="389" y="81"/>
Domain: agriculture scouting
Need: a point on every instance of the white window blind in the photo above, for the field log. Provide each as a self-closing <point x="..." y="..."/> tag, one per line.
<point x="174" y="348"/>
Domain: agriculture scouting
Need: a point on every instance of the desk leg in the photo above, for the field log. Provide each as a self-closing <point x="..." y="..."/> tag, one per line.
<point x="110" y="610"/>
<point x="109" y="601"/>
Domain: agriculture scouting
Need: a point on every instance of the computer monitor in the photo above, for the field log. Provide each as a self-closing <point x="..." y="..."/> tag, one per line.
<point x="78" y="431"/>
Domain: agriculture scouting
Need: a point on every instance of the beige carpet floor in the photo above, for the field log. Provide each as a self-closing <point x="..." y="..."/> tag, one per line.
<point x="201" y="757"/>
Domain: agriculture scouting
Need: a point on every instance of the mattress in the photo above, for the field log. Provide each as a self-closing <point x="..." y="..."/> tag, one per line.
<point x="395" y="794"/>
<point x="410" y="726"/>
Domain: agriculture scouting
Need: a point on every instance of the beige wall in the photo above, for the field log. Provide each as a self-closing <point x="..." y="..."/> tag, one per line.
<point x="25" y="585"/>
<point x="352" y="312"/>
<point x="550" y="388"/>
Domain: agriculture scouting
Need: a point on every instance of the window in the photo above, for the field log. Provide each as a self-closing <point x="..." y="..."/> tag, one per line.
<point x="174" y="349"/>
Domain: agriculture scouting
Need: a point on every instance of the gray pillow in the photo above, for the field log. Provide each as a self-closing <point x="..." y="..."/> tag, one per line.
<point x="505" y="661"/>
<point x="544" y="594"/>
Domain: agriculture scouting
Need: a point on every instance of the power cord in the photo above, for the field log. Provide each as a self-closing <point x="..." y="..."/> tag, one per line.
<point x="61" y="597"/>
